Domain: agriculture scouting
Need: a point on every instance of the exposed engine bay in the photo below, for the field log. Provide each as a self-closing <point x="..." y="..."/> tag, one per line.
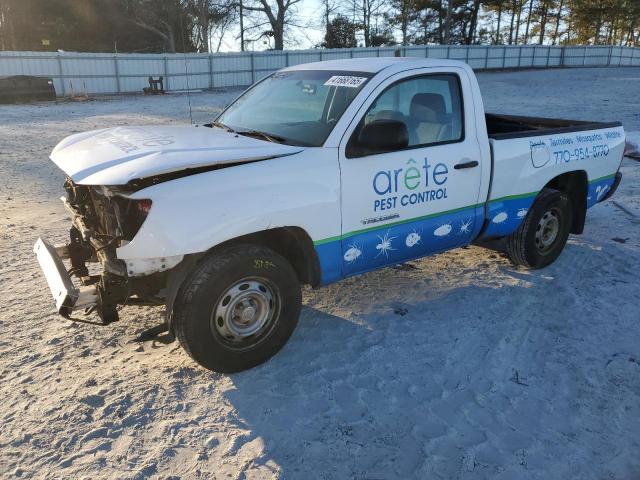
<point x="104" y="219"/>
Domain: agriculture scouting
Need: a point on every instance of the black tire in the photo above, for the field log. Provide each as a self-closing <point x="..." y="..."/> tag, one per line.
<point x="207" y="327"/>
<point x="528" y="246"/>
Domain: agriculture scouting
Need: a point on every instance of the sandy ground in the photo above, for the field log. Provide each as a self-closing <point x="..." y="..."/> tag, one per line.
<point x="456" y="366"/>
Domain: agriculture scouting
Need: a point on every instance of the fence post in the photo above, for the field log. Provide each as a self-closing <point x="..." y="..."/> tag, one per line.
<point x="504" y="56"/>
<point x="117" y="70"/>
<point x="548" y="55"/>
<point x="609" y="58"/>
<point x="166" y="71"/>
<point x="562" y="56"/>
<point x="466" y="58"/>
<point x="486" y="57"/>
<point x="448" y="50"/>
<point x="520" y="54"/>
<point x="620" y="52"/>
<point x="426" y="51"/>
<point x="286" y="58"/>
<point x="61" y="75"/>
<point x="210" y="70"/>
<point x="253" y="69"/>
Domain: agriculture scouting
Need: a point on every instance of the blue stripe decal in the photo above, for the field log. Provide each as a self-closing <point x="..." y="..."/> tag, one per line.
<point x="389" y="245"/>
<point x="598" y="188"/>
<point x="506" y="214"/>
<point x="393" y="244"/>
<point x="330" y="256"/>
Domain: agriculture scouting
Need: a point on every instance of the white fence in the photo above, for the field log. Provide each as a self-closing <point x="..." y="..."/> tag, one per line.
<point x="101" y="73"/>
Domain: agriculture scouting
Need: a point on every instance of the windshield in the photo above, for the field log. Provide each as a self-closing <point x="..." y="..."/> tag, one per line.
<point x="297" y="108"/>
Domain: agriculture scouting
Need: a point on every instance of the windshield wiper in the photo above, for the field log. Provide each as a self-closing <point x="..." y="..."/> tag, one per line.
<point x="223" y="126"/>
<point x="267" y="136"/>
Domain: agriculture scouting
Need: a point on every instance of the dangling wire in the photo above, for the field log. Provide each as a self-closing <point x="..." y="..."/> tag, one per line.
<point x="186" y="69"/>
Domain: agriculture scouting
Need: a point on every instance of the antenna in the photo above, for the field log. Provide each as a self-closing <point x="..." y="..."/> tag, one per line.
<point x="186" y="70"/>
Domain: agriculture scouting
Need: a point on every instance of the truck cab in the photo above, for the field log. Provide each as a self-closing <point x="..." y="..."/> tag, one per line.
<point x="315" y="173"/>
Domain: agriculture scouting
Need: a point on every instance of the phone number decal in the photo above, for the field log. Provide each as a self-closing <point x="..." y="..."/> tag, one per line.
<point x="580" y="153"/>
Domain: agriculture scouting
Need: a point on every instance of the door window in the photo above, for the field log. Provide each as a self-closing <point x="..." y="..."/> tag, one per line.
<point x="429" y="106"/>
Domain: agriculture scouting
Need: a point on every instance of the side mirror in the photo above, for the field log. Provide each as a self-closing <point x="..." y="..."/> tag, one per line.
<point x="380" y="136"/>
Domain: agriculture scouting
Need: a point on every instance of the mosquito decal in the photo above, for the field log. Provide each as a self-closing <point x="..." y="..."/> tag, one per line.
<point x="465" y="226"/>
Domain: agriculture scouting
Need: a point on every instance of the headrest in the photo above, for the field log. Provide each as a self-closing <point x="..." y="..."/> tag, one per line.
<point x="427" y="107"/>
<point x="389" y="115"/>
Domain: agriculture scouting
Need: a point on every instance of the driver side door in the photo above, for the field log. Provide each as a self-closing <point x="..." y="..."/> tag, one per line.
<point x="420" y="198"/>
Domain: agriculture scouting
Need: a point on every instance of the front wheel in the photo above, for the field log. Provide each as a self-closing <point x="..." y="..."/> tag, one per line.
<point x="237" y="308"/>
<point x="541" y="237"/>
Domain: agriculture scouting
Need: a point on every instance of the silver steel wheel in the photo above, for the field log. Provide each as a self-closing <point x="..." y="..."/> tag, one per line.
<point x="547" y="230"/>
<point x="245" y="311"/>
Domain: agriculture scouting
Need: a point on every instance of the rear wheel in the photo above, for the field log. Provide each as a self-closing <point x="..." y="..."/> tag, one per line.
<point x="237" y="308"/>
<point x="540" y="239"/>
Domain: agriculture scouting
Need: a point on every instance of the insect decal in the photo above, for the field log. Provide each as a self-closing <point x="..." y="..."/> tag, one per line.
<point x="412" y="239"/>
<point x="352" y="254"/>
<point x="385" y="245"/>
<point x="465" y="226"/>
<point x="522" y="212"/>
<point x="500" y="218"/>
<point x="601" y="190"/>
<point x="442" y="230"/>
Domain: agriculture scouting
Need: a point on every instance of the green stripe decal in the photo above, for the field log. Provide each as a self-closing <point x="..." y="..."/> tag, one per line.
<point x="327" y="240"/>
<point x="417" y="219"/>
<point x="599" y="179"/>
<point x="514" y="197"/>
<point x="393" y="224"/>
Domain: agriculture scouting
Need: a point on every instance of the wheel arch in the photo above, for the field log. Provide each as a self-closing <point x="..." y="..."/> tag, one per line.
<point x="575" y="185"/>
<point x="292" y="242"/>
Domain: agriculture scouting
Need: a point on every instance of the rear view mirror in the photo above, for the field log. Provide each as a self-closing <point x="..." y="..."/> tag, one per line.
<point x="379" y="136"/>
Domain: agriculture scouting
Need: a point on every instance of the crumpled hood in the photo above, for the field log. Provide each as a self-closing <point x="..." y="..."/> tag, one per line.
<point x="116" y="156"/>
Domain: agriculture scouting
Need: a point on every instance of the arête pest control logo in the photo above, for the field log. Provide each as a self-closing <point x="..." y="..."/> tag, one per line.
<point x="410" y="185"/>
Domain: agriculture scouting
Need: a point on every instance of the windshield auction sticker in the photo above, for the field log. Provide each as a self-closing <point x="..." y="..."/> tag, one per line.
<point x="345" y="81"/>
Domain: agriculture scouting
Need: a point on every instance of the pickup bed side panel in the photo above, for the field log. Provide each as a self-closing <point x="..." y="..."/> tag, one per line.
<point x="195" y="213"/>
<point x="523" y="166"/>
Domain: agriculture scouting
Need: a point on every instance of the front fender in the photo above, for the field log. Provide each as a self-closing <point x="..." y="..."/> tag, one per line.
<point x="195" y="213"/>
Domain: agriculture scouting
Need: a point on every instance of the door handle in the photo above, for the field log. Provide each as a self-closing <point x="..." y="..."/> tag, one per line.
<point x="470" y="164"/>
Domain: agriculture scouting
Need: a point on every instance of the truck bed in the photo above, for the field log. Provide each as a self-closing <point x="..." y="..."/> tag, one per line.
<point x="501" y="127"/>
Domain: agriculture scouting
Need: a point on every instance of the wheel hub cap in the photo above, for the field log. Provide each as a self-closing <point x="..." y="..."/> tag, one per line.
<point x="547" y="230"/>
<point x="244" y="310"/>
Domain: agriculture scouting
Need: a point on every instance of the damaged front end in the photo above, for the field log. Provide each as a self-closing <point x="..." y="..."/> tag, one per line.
<point x="103" y="219"/>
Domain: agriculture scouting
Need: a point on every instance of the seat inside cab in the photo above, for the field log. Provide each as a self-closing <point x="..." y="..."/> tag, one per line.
<point x="429" y="106"/>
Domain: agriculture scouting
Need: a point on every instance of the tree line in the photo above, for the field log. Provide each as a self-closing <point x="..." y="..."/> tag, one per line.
<point x="201" y="25"/>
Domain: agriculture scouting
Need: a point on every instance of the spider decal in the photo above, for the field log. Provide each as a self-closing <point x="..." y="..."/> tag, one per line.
<point x="385" y="245"/>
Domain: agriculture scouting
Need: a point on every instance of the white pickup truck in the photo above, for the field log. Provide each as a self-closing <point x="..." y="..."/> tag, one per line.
<point x="315" y="173"/>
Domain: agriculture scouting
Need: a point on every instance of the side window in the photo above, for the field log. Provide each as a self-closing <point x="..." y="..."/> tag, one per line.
<point x="429" y="106"/>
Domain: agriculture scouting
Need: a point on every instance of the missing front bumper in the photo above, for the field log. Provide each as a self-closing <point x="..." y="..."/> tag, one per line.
<point x="65" y="294"/>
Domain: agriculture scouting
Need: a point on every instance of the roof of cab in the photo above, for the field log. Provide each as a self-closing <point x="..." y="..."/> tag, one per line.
<point x="375" y="64"/>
